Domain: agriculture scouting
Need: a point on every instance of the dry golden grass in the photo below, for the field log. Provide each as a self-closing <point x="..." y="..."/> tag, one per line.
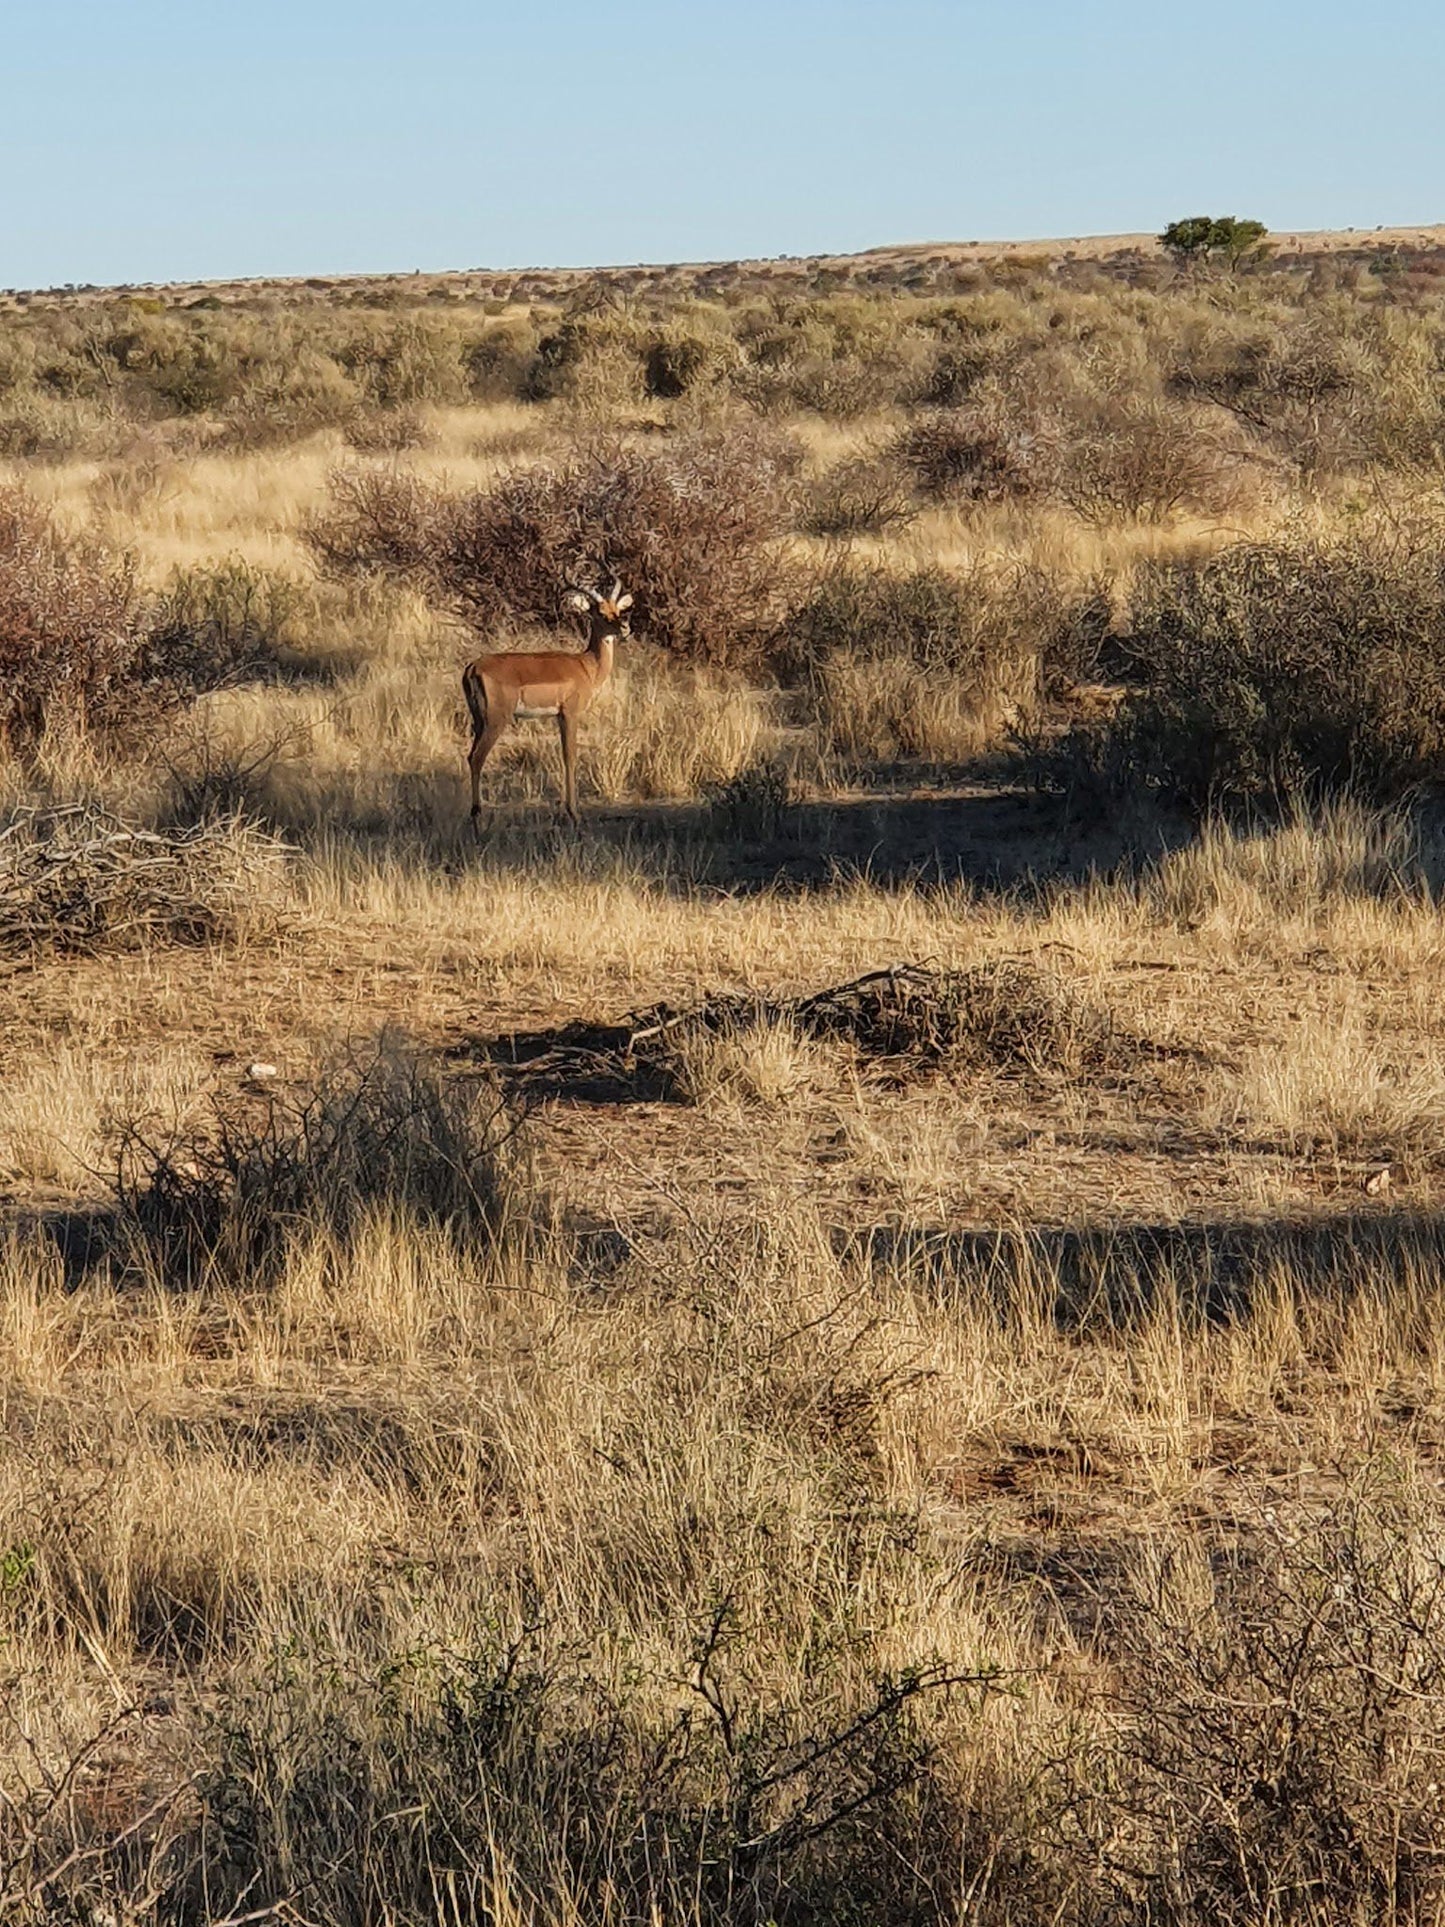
<point x="177" y="509"/>
<point x="883" y="711"/>
<point x="392" y="1454"/>
<point x="57" y="1114"/>
<point x="597" y="1569"/>
<point x="767" y="1064"/>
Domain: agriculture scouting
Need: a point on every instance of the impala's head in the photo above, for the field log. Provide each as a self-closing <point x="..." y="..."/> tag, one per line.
<point x="606" y="614"/>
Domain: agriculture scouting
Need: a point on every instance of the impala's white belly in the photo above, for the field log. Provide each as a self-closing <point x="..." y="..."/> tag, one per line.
<point x="529" y="712"/>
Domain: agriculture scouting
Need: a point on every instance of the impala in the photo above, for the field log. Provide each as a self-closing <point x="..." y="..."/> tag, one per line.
<point x="505" y="689"/>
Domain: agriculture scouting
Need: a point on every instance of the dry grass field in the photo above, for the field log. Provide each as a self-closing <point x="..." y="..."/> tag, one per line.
<point x="861" y="1339"/>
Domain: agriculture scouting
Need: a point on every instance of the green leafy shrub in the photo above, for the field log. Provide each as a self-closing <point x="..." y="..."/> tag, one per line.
<point x="1204" y="236"/>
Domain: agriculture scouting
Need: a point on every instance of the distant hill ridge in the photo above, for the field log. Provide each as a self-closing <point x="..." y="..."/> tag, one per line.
<point x="921" y="265"/>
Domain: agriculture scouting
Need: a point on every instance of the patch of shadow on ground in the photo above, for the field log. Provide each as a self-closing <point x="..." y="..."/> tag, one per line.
<point x="354" y="1436"/>
<point x="994" y="839"/>
<point x="1117" y="1275"/>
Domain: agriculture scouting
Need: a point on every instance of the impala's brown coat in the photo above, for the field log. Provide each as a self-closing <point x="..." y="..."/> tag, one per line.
<point x="503" y="689"/>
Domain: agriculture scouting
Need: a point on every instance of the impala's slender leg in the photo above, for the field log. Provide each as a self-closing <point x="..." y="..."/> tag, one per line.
<point x="567" y="728"/>
<point x="484" y="741"/>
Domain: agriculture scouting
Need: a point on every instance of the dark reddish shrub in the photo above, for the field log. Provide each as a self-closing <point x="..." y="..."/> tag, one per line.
<point x="385" y="521"/>
<point x="691" y="527"/>
<point x="981" y="454"/>
<point x="74" y="643"/>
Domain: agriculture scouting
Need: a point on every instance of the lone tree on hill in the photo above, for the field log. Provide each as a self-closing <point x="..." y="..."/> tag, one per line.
<point x="1207" y="237"/>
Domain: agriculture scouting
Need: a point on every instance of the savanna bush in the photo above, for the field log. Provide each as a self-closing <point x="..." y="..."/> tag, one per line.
<point x="972" y="344"/>
<point x="386" y="431"/>
<point x="533" y="1786"/>
<point x="378" y="1131"/>
<point x="1137" y="458"/>
<point x="689" y="355"/>
<point x="1333" y="388"/>
<point x="1281" y="668"/>
<point x="74" y="638"/>
<point x="498" y="360"/>
<point x="691" y="527"/>
<point x="931" y="663"/>
<point x="1331" y="375"/>
<point x="38" y="426"/>
<point x="217" y="622"/>
<point x="81" y="646"/>
<point x="280" y="397"/>
<point x="840" y="357"/>
<point x="1144" y="461"/>
<point x="984" y="453"/>
<point x="417" y="358"/>
<point x="865" y="496"/>
<point x="593" y="360"/>
<point x="1284" y="1721"/>
<point x="968" y="621"/>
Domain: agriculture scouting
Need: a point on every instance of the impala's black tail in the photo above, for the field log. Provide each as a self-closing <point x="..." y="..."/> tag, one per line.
<point x="476" y="695"/>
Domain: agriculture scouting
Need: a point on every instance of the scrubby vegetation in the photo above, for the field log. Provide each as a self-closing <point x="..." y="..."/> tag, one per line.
<point x="860" y="1340"/>
<point x="1281" y="668"/>
<point x="72" y="641"/>
<point x="691" y="528"/>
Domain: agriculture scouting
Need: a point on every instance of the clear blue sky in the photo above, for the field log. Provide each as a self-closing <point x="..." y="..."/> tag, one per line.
<point x="155" y="140"/>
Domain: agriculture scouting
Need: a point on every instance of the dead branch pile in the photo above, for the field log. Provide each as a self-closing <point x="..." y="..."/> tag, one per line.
<point x="906" y="1021"/>
<point x="1006" y="1014"/>
<point x="79" y="880"/>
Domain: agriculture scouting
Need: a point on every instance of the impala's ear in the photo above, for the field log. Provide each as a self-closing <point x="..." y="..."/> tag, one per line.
<point x="622" y="604"/>
<point x="578" y="603"/>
